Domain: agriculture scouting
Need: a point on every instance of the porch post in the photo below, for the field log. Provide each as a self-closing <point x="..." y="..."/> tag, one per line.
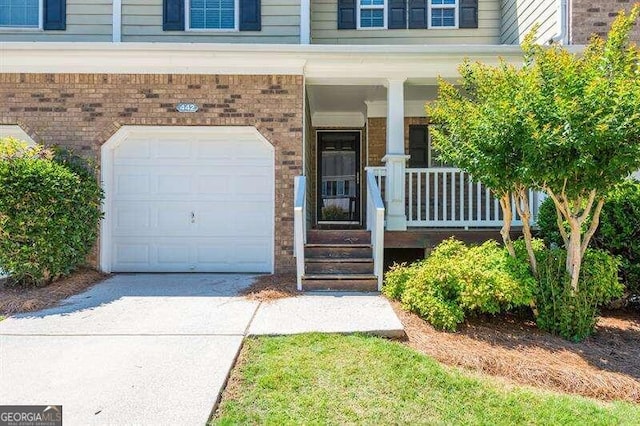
<point x="395" y="158"/>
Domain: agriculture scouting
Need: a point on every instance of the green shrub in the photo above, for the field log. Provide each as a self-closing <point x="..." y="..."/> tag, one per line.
<point x="618" y="233"/>
<point x="573" y="315"/>
<point x="49" y="215"/>
<point x="456" y="280"/>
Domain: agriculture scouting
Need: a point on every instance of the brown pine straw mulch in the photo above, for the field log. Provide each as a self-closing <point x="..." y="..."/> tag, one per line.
<point x="605" y="366"/>
<point x="15" y="300"/>
<point x="272" y="287"/>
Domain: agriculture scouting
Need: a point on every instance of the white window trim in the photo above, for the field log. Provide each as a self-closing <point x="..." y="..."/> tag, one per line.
<point x="383" y="7"/>
<point x="40" y="26"/>
<point x="187" y="18"/>
<point x="443" y="6"/>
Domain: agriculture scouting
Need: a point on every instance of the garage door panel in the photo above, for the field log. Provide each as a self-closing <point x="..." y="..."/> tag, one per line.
<point x="173" y="253"/>
<point x="132" y="184"/>
<point x="135" y="148"/>
<point x="172" y="149"/>
<point x="131" y="253"/>
<point x="227" y="184"/>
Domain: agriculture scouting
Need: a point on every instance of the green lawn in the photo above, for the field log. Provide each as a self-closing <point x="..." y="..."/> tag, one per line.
<point x="332" y="379"/>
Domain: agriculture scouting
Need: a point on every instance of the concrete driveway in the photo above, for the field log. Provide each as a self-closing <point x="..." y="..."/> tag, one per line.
<point x="157" y="348"/>
<point x="135" y="349"/>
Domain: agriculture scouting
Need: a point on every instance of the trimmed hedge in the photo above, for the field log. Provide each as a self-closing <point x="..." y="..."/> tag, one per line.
<point x="50" y="208"/>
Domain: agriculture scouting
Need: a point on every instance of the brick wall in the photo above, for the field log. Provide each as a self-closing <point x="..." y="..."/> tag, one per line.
<point x="595" y="16"/>
<point x="377" y="137"/>
<point x="82" y="111"/>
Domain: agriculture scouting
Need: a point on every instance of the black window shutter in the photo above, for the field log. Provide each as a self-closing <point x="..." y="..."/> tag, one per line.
<point x="418" y="13"/>
<point x="55" y="15"/>
<point x="468" y="17"/>
<point x="418" y="148"/>
<point x="250" y="15"/>
<point x="346" y="14"/>
<point x="173" y="15"/>
<point x="397" y="18"/>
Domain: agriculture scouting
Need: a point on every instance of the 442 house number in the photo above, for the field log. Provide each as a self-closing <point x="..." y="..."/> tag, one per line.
<point x="187" y="107"/>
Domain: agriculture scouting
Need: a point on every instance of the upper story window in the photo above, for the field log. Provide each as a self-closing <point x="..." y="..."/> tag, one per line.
<point x="372" y="13"/>
<point x="212" y="14"/>
<point x="443" y="13"/>
<point x="20" y="13"/>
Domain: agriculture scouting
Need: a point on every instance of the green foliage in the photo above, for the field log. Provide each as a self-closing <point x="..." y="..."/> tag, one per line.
<point x="618" y="233"/>
<point x="457" y="280"/>
<point x="563" y="311"/>
<point x="49" y="214"/>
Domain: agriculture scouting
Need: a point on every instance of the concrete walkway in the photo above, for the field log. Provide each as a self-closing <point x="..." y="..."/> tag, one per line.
<point x="157" y="349"/>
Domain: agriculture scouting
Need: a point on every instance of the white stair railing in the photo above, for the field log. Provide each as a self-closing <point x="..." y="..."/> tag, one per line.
<point x="299" y="225"/>
<point x="375" y="224"/>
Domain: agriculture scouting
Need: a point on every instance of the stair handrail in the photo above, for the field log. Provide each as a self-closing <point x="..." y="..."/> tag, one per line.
<point x="299" y="225"/>
<point x="375" y="224"/>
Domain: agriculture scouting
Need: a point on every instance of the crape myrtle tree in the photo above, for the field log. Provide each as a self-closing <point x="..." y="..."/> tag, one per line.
<point x="566" y="123"/>
<point x="482" y="128"/>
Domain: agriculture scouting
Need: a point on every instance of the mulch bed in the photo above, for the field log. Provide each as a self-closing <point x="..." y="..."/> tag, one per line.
<point x="15" y="300"/>
<point x="605" y="366"/>
<point x="272" y="287"/>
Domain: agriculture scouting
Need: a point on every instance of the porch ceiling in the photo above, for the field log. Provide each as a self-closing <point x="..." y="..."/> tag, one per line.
<point x="350" y="105"/>
<point x="354" y="98"/>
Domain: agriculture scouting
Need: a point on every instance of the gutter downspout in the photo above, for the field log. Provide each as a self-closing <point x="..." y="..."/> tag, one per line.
<point x="305" y="21"/>
<point x="562" y="36"/>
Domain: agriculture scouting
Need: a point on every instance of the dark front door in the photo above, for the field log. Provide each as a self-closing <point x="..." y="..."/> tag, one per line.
<point x="339" y="176"/>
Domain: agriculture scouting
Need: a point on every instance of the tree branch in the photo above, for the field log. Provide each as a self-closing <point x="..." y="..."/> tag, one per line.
<point x="595" y="221"/>
<point x="559" y="219"/>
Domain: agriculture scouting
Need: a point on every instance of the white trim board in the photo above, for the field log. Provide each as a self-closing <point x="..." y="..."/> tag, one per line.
<point x="378" y="109"/>
<point x="337" y="119"/>
<point x="319" y="63"/>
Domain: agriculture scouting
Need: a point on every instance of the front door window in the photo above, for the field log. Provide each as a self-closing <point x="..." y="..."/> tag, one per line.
<point x="338" y="177"/>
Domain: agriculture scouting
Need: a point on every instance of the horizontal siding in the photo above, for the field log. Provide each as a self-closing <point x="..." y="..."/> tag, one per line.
<point x="519" y="17"/>
<point x="324" y="29"/>
<point x="87" y="20"/>
<point x="142" y="22"/>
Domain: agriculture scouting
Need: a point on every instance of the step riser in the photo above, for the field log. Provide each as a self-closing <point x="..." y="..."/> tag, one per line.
<point x="340" y="285"/>
<point x="339" y="237"/>
<point x="337" y="252"/>
<point x="345" y="267"/>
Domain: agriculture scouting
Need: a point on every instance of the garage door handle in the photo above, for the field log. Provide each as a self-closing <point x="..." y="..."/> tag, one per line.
<point x="193" y="217"/>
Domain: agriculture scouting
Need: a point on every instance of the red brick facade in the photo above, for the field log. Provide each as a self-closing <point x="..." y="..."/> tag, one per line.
<point x="82" y="111"/>
<point x="377" y="137"/>
<point x="595" y="16"/>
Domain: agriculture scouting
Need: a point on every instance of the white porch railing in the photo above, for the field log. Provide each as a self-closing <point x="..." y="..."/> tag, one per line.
<point x="299" y="225"/>
<point x="375" y="224"/>
<point x="448" y="197"/>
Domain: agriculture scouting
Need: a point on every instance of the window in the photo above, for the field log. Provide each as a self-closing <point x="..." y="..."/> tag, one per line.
<point x="443" y="13"/>
<point x="372" y="14"/>
<point x="20" y="13"/>
<point x="212" y="14"/>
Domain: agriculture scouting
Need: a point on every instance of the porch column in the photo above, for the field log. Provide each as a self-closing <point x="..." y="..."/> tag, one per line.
<point x="395" y="158"/>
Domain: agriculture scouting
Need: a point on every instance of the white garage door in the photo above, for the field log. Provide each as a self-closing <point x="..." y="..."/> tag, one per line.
<point x="192" y="200"/>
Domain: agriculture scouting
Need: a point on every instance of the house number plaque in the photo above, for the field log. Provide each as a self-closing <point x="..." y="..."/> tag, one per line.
<point x="187" y="107"/>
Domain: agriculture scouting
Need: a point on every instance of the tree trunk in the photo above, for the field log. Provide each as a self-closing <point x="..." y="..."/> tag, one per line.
<point x="524" y="210"/>
<point x="574" y="253"/>
<point x="505" y="203"/>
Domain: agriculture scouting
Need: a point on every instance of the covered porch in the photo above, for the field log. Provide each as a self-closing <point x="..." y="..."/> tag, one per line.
<point x="382" y="130"/>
